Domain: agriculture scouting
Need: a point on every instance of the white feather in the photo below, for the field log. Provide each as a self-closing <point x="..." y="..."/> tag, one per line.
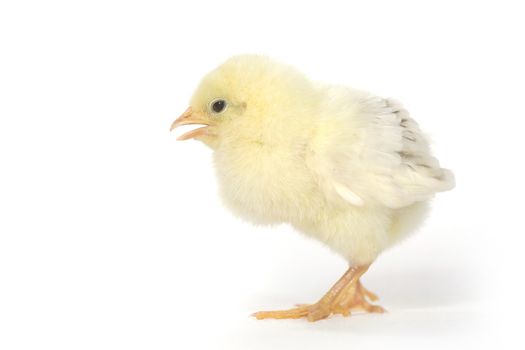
<point x="348" y="195"/>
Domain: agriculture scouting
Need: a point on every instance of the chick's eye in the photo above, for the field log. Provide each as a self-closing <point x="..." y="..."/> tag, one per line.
<point x="218" y="106"/>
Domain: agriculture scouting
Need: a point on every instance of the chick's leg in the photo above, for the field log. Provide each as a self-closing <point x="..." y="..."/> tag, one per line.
<point x="339" y="299"/>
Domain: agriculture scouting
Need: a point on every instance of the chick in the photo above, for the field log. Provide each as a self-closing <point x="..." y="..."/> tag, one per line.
<point x="348" y="168"/>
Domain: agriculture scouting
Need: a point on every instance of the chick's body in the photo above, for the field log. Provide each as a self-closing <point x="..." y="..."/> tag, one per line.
<point x="343" y="166"/>
<point x="268" y="179"/>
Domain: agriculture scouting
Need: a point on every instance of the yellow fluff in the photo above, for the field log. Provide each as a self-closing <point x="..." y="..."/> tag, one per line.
<point x="348" y="168"/>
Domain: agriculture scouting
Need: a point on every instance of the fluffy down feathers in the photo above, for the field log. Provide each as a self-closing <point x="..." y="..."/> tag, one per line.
<point x="345" y="167"/>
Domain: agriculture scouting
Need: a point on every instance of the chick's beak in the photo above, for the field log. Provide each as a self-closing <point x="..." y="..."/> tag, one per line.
<point x="190" y="117"/>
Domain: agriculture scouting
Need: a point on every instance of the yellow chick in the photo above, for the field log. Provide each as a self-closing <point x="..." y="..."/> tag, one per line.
<point x="348" y="168"/>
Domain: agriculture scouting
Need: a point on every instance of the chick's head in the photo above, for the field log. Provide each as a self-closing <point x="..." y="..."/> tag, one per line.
<point x="246" y="97"/>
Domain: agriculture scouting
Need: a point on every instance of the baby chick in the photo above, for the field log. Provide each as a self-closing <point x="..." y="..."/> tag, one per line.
<point x="348" y="168"/>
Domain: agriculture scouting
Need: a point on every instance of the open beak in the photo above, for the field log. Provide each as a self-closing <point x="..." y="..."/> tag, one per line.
<point x="190" y="117"/>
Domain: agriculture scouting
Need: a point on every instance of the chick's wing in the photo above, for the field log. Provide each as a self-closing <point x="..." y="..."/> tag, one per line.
<point x="378" y="155"/>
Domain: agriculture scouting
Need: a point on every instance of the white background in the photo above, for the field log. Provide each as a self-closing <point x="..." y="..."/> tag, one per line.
<point x="112" y="235"/>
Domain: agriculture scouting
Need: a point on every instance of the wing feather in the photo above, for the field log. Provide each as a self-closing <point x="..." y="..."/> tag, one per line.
<point x="383" y="159"/>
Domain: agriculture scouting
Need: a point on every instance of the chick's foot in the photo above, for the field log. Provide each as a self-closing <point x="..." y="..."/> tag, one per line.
<point x="355" y="298"/>
<point x="345" y="296"/>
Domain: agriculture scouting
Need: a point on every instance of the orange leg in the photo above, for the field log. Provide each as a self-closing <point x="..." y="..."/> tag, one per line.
<point x="346" y="294"/>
